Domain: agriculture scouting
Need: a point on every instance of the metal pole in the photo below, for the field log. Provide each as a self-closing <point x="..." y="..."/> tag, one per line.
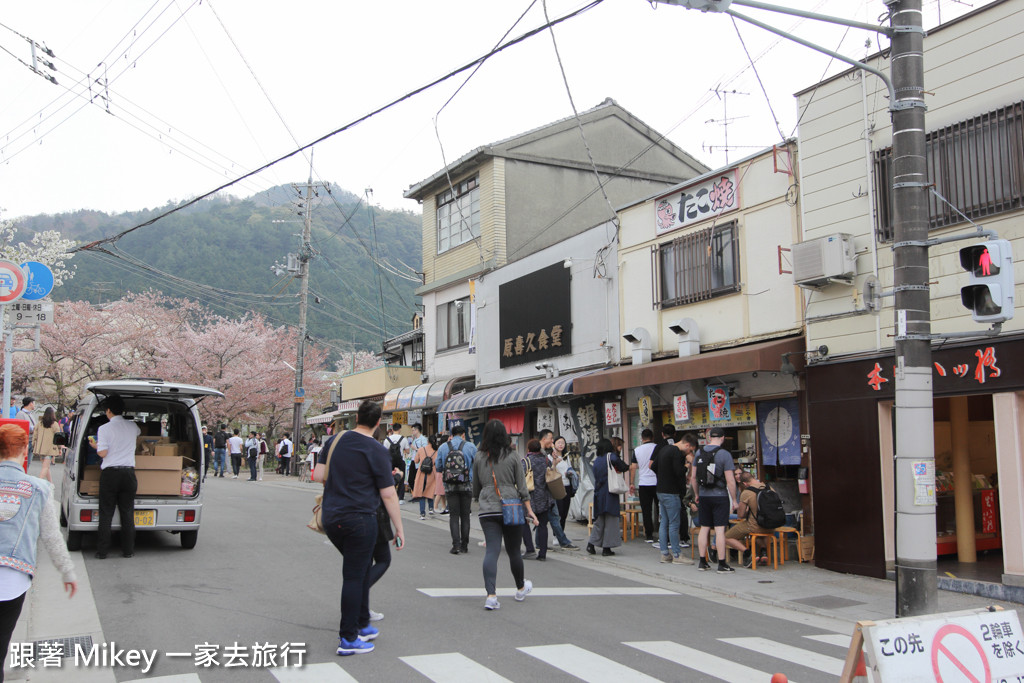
<point x="304" y="257"/>
<point x="8" y="337"/>
<point x="916" y="581"/>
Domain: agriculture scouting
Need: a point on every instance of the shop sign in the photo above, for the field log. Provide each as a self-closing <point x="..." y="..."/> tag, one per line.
<point x="545" y="419"/>
<point x="612" y="416"/>
<point x="586" y="417"/>
<point x="566" y="427"/>
<point x="681" y="408"/>
<point x="718" y="403"/>
<point x="924" y="482"/>
<point x="964" y="370"/>
<point x="415" y="416"/>
<point x="713" y="197"/>
<point x="646" y="409"/>
<point x="529" y="332"/>
<point x="400" y="417"/>
<point x="741" y="415"/>
<point x="989" y="514"/>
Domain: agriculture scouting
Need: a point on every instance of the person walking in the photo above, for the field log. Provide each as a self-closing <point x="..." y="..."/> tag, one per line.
<point x="357" y="483"/>
<point x="560" y="458"/>
<point x="42" y="441"/>
<point x="499" y="468"/>
<point x="115" y="444"/>
<point x="27" y="413"/>
<point x="235" y="444"/>
<point x="541" y="499"/>
<point x="252" y="453"/>
<point x="262" y="456"/>
<point x="440" y="499"/>
<point x="607" y="531"/>
<point x="547" y="440"/>
<point x="455" y="460"/>
<point x="34" y="520"/>
<point x="220" y="451"/>
<point x="207" y="452"/>
<point x="425" y="461"/>
<point x="284" y="454"/>
<point x="396" y="445"/>
<point x="646" y="482"/>
<point x="713" y="478"/>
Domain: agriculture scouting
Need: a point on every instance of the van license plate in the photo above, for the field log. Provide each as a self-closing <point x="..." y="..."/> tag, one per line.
<point x="145" y="517"/>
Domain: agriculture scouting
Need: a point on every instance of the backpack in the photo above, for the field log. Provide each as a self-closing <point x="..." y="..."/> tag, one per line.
<point x="252" y="451"/>
<point x="395" y="450"/>
<point x="456" y="472"/>
<point x="705" y="478"/>
<point x="220" y="439"/>
<point x="286" y="449"/>
<point x="427" y="466"/>
<point x="770" y="514"/>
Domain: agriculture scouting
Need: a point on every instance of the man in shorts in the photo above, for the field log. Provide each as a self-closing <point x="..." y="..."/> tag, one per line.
<point x="714" y="501"/>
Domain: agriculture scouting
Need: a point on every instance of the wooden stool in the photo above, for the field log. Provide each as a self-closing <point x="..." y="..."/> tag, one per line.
<point x="772" y="543"/>
<point x="783" y="540"/>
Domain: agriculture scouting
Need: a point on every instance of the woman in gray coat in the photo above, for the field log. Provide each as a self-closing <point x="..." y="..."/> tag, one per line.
<point x="497" y="474"/>
<point x="607" y="531"/>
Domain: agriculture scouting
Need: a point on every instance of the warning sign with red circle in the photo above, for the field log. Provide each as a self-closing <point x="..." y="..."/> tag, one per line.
<point x="12" y="282"/>
<point x="975" y="646"/>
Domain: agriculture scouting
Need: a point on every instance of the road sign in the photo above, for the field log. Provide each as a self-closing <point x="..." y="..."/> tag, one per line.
<point x="40" y="280"/>
<point x="12" y="282"/>
<point x="32" y="313"/>
<point x="300" y="392"/>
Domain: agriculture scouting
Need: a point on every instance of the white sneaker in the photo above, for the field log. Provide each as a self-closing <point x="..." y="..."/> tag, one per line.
<point x="422" y="517"/>
<point x="401" y="502"/>
<point x="492" y="603"/>
<point x="234" y="476"/>
<point x="527" y="587"/>
<point x="375" y="616"/>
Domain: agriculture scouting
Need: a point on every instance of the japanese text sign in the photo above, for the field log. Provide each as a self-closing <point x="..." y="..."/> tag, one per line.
<point x="712" y="197"/>
<point x="681" y="408"/>
<point x="612" y="415"/>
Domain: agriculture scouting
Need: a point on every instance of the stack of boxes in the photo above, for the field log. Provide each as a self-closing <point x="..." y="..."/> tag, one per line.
<point x="158" y="467"/>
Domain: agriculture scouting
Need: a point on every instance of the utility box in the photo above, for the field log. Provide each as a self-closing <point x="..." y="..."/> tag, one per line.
<point x="824" y="261"/>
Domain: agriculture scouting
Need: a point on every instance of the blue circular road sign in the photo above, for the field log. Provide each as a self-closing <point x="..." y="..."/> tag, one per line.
<point x="40" y="280"/>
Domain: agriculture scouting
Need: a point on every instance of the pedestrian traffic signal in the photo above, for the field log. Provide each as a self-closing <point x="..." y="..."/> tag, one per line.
<point x="990" y="293"/>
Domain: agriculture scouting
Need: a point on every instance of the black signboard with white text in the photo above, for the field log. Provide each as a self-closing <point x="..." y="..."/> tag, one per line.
<point x="535" y="317"/>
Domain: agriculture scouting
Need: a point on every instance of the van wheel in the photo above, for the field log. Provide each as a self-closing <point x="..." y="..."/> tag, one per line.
<point x="189" y="538"/>
<point x="74" y="540"/>
<point x="63" y="518"/>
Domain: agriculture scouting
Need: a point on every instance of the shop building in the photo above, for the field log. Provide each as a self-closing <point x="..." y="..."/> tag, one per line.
<point x="975" y="158"/>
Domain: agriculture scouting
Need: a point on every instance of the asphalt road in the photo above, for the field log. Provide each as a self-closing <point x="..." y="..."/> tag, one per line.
<point x="257" y="575"/>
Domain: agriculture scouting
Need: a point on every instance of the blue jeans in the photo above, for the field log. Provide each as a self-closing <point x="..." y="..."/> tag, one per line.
<point x="219" y="454"/>
<point x="556" y="526"/>
<point x="423" y="504"/>
<point x="354" y="535"/>
<point x="671" y="506"/>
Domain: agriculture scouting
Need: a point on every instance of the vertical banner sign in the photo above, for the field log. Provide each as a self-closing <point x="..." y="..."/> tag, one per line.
<point x="681" y="408"/>
<point x="646" y="407"/>
<point x="989" y="512"/>
<point x="472" y="317"/>
<point x="545" y="419"/>
<point x="612" y="416"/>
<point x="718" y="404"/>
<point x="566" y="425"/>
<point x="586" y="416"/>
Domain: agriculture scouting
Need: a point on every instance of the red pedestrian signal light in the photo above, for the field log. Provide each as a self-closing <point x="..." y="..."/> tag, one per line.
<point x="990" y="294"/>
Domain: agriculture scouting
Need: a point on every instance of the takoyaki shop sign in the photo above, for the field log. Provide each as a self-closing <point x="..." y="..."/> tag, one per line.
<point x="713" y="197"/>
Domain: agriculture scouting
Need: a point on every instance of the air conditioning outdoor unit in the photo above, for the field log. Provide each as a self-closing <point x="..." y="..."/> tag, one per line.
<point x="824" y="261"/>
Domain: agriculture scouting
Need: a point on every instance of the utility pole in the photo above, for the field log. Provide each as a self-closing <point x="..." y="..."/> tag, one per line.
<point x="305" y="255"/>
<point x="916" y="580"/>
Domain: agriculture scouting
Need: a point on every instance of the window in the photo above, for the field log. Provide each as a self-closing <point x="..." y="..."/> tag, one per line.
<point x="453" y="324"/>
<point x="458" y="215"/>
<point x="696" y="266"/>
<point x="977" y="164"/>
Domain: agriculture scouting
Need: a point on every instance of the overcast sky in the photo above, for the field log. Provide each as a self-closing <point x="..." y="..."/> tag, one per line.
<point x="199" y="93"/>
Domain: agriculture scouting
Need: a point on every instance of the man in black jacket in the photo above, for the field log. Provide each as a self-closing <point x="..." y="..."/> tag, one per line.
<point x="671" y="470"/>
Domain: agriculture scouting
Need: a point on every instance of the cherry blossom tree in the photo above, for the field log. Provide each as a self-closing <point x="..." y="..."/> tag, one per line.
<point x="46" y="247"/>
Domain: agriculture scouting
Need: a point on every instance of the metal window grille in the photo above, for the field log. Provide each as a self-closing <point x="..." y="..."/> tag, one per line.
<point x="977" y="164"/>
<point x="696" y="267"/>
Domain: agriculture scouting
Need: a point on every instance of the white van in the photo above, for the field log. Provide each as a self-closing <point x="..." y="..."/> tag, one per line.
<point x="168" y="461"/>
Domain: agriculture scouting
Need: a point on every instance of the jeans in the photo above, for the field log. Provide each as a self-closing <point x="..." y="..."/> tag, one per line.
<point x="669" y="531"/>
<point x="556" y="527"/>
<point x="527" y="536"/>
<point x="459" y="506"/>
<point x="355" y="536"/>
<point x="381" y="561"/>
<point x="219" y="454"/>
<point x="423" y="504"/>
<point x="252" y="467"/>
<point x="10" y="610"/>
<point x="542" y="533"/>
<point x="648" y="502"/>
<point x="117" y="490"/>
<point x="236" y="463"/>
<point x="494" y="532"/>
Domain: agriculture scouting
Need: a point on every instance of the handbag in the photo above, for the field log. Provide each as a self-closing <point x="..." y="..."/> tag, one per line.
<point x="554" y="483"/>
<point x="316" y="523"/>
<point x="512" y="511"/>
<point x="384" y="531"/>
<point x="529" y="475"/>
<point x="616" y="479"/>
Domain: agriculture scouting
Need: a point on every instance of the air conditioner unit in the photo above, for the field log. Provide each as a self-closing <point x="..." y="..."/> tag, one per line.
<point x="824" y="261"/>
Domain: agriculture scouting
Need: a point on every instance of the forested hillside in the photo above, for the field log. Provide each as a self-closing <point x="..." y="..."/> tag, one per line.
<point x="221" y="252"/>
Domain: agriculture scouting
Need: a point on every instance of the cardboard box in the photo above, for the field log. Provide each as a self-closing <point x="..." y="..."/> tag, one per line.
<point x="158" y="462"/>
<point x="188" y="451"/>
<point x="807" y="547"/>
<point x="165" y="450"/>
<point x="92" y="473"/>
<point x="158" y="482"/>
<point x="144" y="445"/>
<point x="89" y="488"/>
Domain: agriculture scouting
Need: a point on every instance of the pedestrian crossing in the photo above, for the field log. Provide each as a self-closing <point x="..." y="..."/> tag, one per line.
<point x="718" y="662"/>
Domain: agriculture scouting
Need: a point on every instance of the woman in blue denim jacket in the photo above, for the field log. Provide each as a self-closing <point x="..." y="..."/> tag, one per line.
<point x="28" y="514"/>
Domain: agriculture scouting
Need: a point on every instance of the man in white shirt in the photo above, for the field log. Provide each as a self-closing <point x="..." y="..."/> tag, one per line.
<point x="27" y="412"/>
<point x="235" y="451"/>
<point x="398" y="447"/>
<point x="115" y="444"/>
<point x="646" y="481"/>
<point x="284" y="452"/>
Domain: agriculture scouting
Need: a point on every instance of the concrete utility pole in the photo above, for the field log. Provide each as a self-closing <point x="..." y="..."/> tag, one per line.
<point x="916" y="580"/>
<point x="305" y="254"/>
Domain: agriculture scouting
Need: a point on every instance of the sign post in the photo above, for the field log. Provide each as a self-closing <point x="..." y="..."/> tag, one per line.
<point x="13" y="282"/>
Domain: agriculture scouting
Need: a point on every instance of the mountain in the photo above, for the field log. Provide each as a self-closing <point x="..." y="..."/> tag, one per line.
<point x="222" y="252"/>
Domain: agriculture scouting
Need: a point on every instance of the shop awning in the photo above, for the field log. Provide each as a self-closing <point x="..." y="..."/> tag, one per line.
<point x="347" y="407"/>
<point x="419" y="396"/>
<point x="760" y="357"/>
<point x="511" y="394"/>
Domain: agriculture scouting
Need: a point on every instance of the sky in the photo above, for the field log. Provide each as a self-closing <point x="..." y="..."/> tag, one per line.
<point x="160" y="101"/>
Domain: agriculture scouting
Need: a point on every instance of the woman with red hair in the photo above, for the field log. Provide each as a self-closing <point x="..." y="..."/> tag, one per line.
<point x="28" y="514"/>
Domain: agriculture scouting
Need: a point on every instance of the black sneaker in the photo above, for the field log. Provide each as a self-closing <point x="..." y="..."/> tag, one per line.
<point x="703" y="566"/>
<point x="723" y="568"/>
<point x="747" y="558"/>
<point x="712" y="555"/>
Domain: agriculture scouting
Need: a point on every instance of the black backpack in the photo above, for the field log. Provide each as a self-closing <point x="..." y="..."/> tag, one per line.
<point x="705" y="478"/>
<point x="770" y="513"/>
<point x="427" y="466"/>
<point x="395" y="450"/>
<point x="252" y="451"/>
<point x="286" y="449"/>
<point x="456" y="472"/>
<point x="220" y="439"/>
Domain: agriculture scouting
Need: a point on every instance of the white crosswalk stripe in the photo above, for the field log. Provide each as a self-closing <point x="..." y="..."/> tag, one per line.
<point x="808" y="658"/>
<point x="565" y="592"/>
<point x="585" y="665"/>
<point x="452" y="667"/>
<point x="832" y="639"/>
<point x="328" y="672"/>
<point x="704" y="662"/>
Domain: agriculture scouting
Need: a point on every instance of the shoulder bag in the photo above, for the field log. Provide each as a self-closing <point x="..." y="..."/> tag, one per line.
<point x="512" y="511"/>
<point x="554" y="482"/>
<point x="616" y="479"/>
<point x="316" y="523"/>
<point x="528" y="470"/>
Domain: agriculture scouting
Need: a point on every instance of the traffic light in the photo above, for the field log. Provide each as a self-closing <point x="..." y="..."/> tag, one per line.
<point x="990" y="292"/>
